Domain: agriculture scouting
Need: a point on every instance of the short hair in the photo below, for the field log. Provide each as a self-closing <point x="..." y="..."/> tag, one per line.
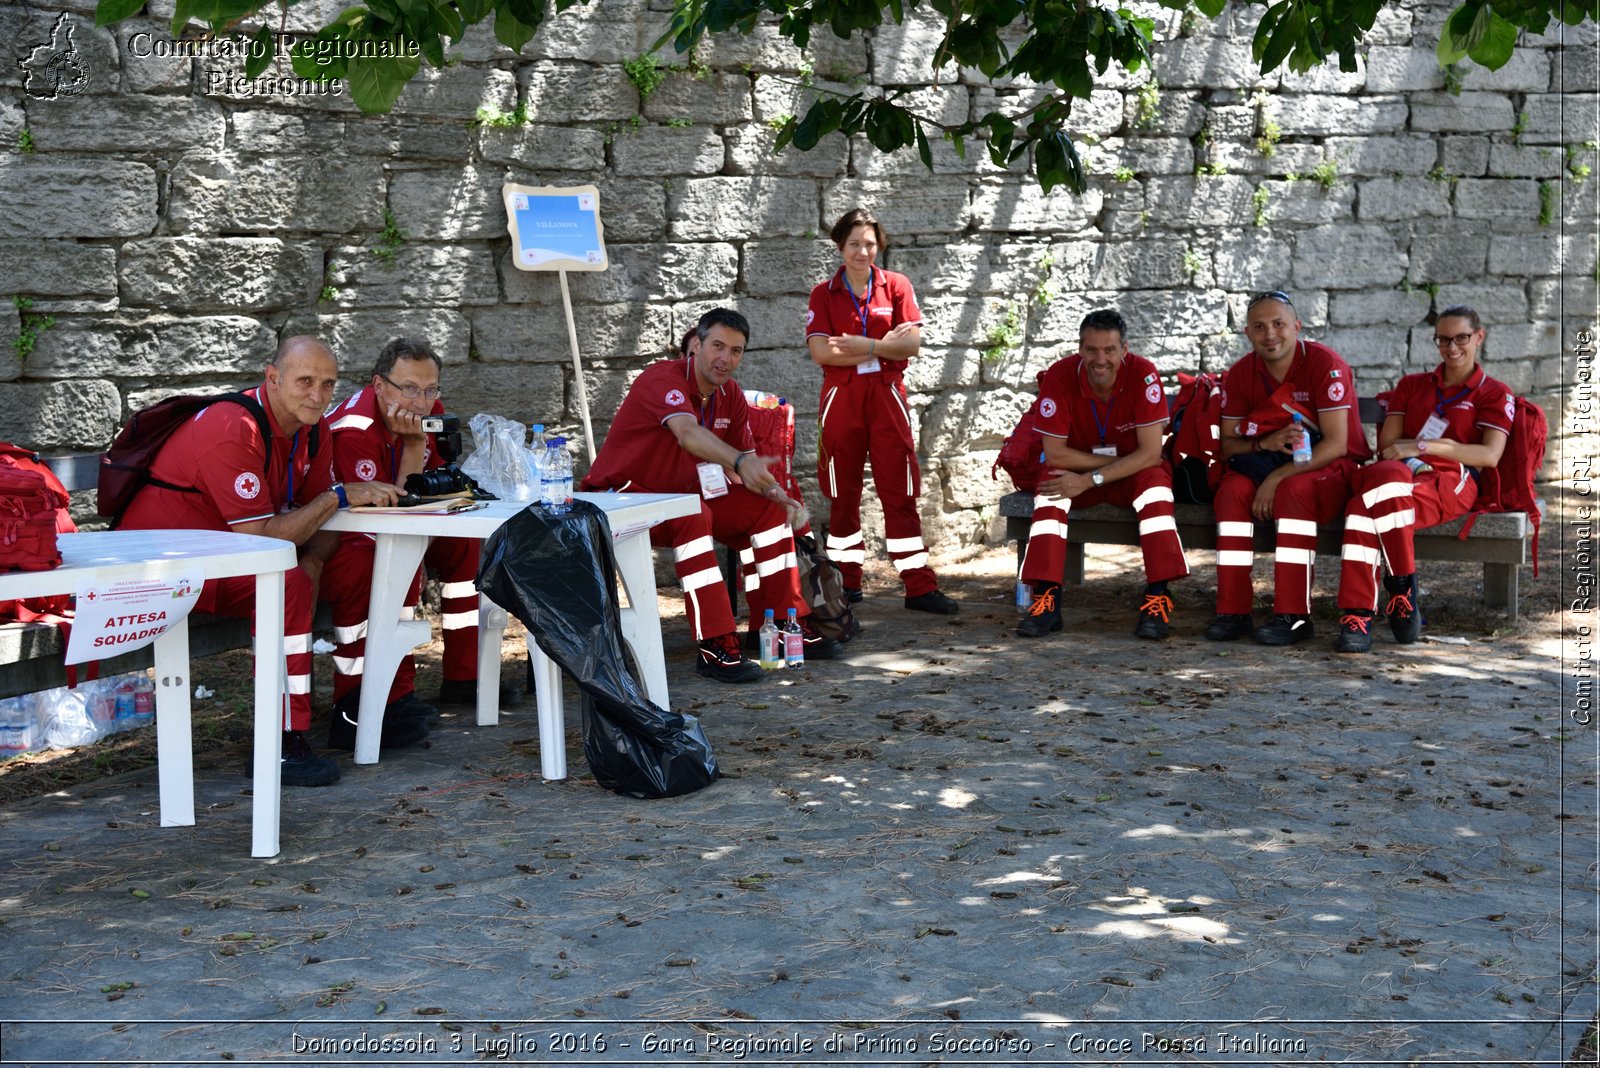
<point x="404" y="348"/>
<point x="290" y="345"/>
<point x="1270" y="294"/>
<point x="1105" y="319"/>
<point x="688" y="335"/>
<point x="722" y="317"/>
<point x="858" y="217"/>
<point x="1462" y="311"/>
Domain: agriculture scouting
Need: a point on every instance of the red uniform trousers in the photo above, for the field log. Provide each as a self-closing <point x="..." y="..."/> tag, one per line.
<point x="759" y="531"/>
<point x="1148" y="493"/>
<point x="868" y="417"/>
<point x="1302" y="501"/>
<point x="346" y="585"/>
<point x="236" y="597"/>
<point x="1387" y="505"/>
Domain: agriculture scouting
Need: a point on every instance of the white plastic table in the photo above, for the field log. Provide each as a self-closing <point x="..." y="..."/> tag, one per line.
<point x="116" y="555"/>
<point x="403" y="538"/>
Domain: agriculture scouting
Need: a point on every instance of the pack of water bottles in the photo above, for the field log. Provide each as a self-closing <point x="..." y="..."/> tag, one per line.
<point x="520" y="463"/>
<point x="554" y="465"/>
<point x="65" y="717"/>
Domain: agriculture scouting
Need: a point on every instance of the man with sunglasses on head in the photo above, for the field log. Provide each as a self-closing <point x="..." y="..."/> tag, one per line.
<point x="378" y="436"/>
<point x="1281" y="377"/>
<point x="1442" y="428"/>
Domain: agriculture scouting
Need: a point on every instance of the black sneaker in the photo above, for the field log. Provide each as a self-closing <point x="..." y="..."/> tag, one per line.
<point x="818" y="647"/>
<point x="465" y="692"/>
<point x="933" y="601"/>
<point x="853" y="596"/>
<point x="1355" y="634"/>
<point x="1405" y="614"/>
<point x="1285" y="630"/>
<point x="721" y="659"/>
<point x="302" y="767"/>
<point x="399" y="731"/>
<point x="408" y="707"/>
<point x="1228" y="627"/>
<point x="1155" y="617"/>
<point x="1044" y="615"/>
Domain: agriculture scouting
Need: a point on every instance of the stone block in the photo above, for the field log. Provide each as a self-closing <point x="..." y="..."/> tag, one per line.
<point x="57" y="269"/>
<point x="459" y="204"/>
<point x="1388" y="199"/>
<point x="1464" y="157"/>
<point x="1369" y="306"/>
<point x="49" y="198"/>
<point x="1403" y="154"/>
<point x="721" y="99"/>
<point x="1442" y="253"/>
<point x="709" y="209"/>
<point x="1550" y="118"/>
<point x="478" y="44"/>
<point x="1205" y="201"/>
<point x="1316" y="115"/>
<point x="1347" y="257"/>
<point x="1543" y="253"/>
<point x="125" y="125"/>
<point x="1526" y="161"/>
<point x="10" y="360"/>
<point x="775" y="322"/>
<point x="144" y="68"/>
<point x="1236" y="157"/>
<point x="1021" y="206"/>
<point x="1143" y="155"/>
<point x="1177" y="114"/>
<point x="203" y="346"/>
<point x="1501" y="199"/>
<point x="1402" y="70"/>
<point x="1575" y="70"/>
<point x="1467" y="113"/>
<point x="749" y="151"/>
<point x="1328" y="78"/>
<point x="32" y="41"/>
<point x="1139" y="265"/>
<point x="661" y="151"/>
<point x="524" y="392"/>
<point x="541" y="148"/>
<point x="1151" y="313"/>
<point x="13" y="120"/>
<point x="906" y="164"/>
<point x="1527" y="71"/>
<point x="1251" y="260"/>
<point x="638" y="273"/>
<point x="1234" y="122"/>
<point x="966" y="477"/>
<point x="356" y="338"/>
<point x="787" y="373"/>
<point x="399" y="137"/>
<point x="1377" y="353"/>
<point x="592" y="34"/>
<point x="66" y="416"/>
<point x="457" y="92"/>
<point x="605" y="385"/>
<point x="937" y="205"/>
<point x="1549" y="298"/>
<point x="632" y="209"/>
<point x="956" y="419"/>
<point x="573" y="92"/>
<point x="419" y="275"/>
<point x="974" y="322"/>
<point x="903" y="54"/>
<point x="1516" y="340"/>
<point x="537" y="333"/>
<point x="790" y="266"/>
<point x="763" y="49"/>
<point x="1307" y="203"/>
<point x="211" y="192"/>
<point x="222" y="80"/>
<point x="1006" y="269"/>
<point x="1496" y="302"/>
<point x="1209" y="63"/>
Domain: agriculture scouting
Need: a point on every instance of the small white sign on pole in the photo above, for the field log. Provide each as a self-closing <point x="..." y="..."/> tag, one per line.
<point x="124" y="616"/>
<point x="558" y="228"/>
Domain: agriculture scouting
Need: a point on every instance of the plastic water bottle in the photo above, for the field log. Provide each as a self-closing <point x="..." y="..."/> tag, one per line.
<point x="1024" y="596"/>
<point x="794" y="644"/>
<point x="144" y="700"/>
<point x="556" y="477"/>
<point x="1302" y="447"/>
<point x="1417" y="466"/>
<point x="535" y="460"/>
<point x="770" y="644"/>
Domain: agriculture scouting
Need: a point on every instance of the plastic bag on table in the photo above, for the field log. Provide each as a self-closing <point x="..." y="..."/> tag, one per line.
<point x="555" y="573"/>
<point x="500" y="462"/>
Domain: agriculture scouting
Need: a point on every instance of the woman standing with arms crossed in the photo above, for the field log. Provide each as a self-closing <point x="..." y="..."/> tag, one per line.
<point x="862" y="326"/>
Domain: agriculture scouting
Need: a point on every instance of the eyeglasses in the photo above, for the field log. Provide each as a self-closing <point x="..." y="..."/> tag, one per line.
<point x="413" y="392"/>
<point x="1460" y="341"/>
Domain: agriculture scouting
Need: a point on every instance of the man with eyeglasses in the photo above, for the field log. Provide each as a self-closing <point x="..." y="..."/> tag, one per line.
<point x="1443" y="427"/>
<point x="1283" y="376"/>
<point x="378" y="436"/>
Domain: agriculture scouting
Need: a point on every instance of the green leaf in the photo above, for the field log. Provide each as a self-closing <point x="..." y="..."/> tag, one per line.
<point x="108" y="11"/>
<point x="263" y="47"/>
<point x="1453" y="37"/>
<point x="432" y="49"/>
<point x="923" y="148"/>
<point x="510" y="30"/>
<point x="1499" y="40"/>
<point x="1210" y="8"/>
<point x="1055" y="161"/>
<point x="375" y="84"/>
<point x="474" y="11"/>
<point x="1291" y="30"/>
<point x="180" y="17"/>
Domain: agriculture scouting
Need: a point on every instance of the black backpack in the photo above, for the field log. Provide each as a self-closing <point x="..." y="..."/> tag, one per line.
<point x="822" y="585"/>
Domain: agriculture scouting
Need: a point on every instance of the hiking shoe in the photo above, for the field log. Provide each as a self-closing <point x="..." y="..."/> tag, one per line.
<point x="853" y="596"/>
<point x="465" y="692"/>
<point x="1044" y="615"/>
<point x="412" y="707"/>
<point x="1155" y="617"/>
<point x="817" y="646"/>
<point x="1285" y="630"/>
<point x="302" y="767"/>
<point x="399" y="730"/>
<point x="1355" y="634"/>
<point x="1405" y="615"/>
<point x="933" y="601"/>
<point x="1228" y="627"/>
<point x="721" y="659"/>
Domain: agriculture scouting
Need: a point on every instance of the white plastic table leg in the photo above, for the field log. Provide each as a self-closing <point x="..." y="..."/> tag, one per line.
<point x="552" y="714"/>
<point x="389" y="638"/>
<point x="174" y="737"/>
<point x="641" y="623"/>
<point x="491" y="629"/>
<point x="270" y="674"/>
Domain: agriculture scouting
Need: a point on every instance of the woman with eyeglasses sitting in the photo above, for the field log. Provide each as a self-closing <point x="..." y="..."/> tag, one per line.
<point x="1442" y="428"/>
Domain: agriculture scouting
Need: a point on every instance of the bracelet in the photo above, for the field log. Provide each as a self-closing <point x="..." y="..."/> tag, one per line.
<point x="872" y="346"/>
<point x="338" y="491"/>
<point x="736" y="460"/>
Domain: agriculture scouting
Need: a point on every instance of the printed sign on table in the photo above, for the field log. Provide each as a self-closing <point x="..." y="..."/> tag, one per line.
<point x="123" y="616"/>
<point x="555" y="228"/>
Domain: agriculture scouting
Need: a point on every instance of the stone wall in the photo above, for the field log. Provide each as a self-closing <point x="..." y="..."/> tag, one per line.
<point x="175" y="227"/>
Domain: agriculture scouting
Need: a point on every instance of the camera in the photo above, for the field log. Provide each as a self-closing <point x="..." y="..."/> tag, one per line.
<point x="440" y="482"/>
<point x="446" y="431"/>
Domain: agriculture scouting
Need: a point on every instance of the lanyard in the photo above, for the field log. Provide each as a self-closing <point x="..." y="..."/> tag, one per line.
<point x="1100" y="424"/>
<point x="711" y="406"/>
<point x="1443" y="402"/>
<point x="862" y="307"/>
<point x="294" y="443"/>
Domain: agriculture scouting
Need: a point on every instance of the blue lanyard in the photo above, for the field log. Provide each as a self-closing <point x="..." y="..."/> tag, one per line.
<point x="1444" y="402"/>
<point x="294" y="443"/>
<point x="1100" y="424"/>
<point x="862" y="308"/>
<point x="711" y="405"/>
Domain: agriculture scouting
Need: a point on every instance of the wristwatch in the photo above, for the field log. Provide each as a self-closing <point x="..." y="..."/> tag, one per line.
<point x="1097" y="477"/>
<point x="1422" y="445"/>
<point x="338" y="491"/>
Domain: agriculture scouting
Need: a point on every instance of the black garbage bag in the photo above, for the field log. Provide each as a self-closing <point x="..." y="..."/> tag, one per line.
<point x="555" y="573"/>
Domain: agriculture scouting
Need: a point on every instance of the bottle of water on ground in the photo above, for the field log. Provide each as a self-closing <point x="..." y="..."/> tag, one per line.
<point x="1302" y="446"/>
<point x="556" y="477"/>
<point x="794" y="643"/>
<point x="770" y="642"/>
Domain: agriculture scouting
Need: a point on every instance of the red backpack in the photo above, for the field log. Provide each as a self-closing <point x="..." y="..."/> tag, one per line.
<point x="1195" y="438"/>
<point x="33" y="510"/>
<point x="1022" y="454"/>
<point x="1508" y="486"/>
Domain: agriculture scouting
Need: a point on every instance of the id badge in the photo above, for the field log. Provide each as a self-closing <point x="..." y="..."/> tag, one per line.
<point x="713" y="481"/>
<point x="869" y="366"/>
<point x="1104" y="450"/>
<point x="1433" y="429"/>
